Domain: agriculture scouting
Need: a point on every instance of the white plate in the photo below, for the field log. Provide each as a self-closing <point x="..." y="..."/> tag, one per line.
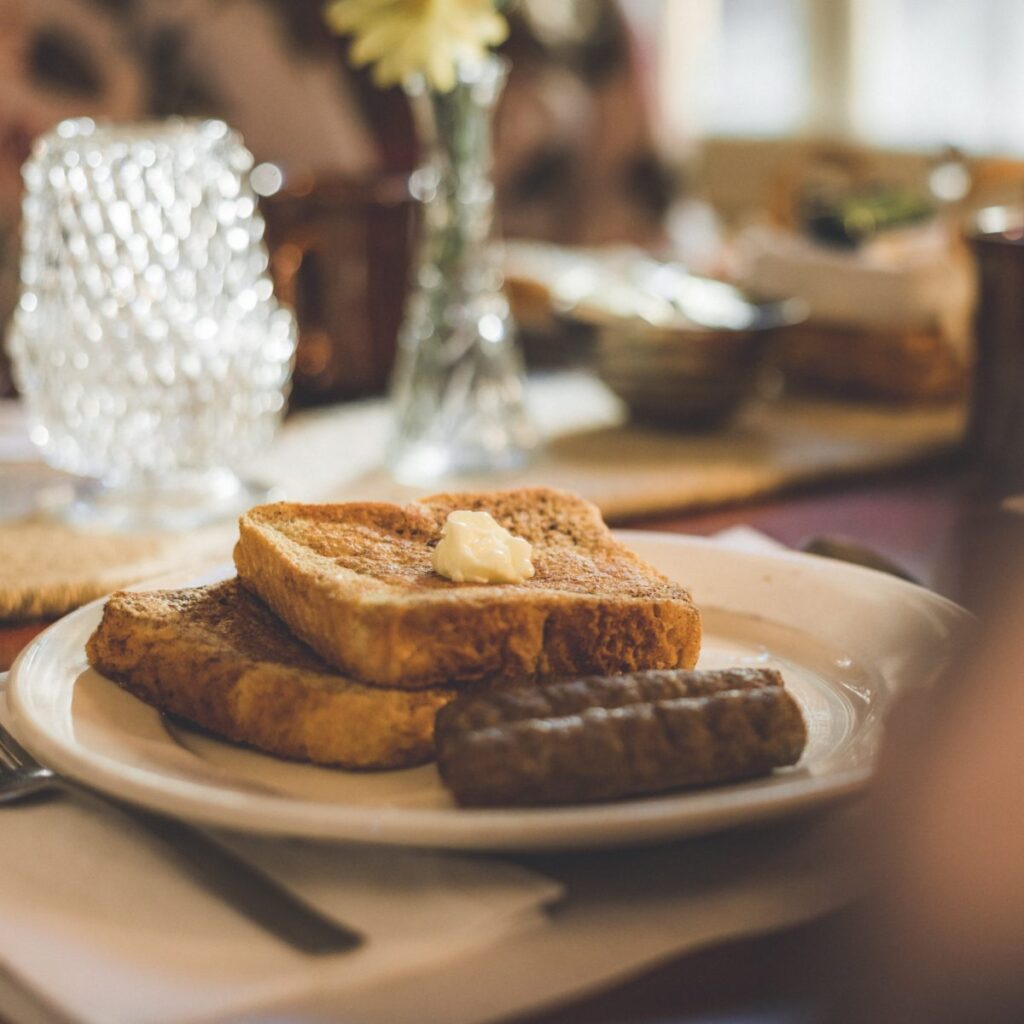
<point x="846" y="639"/>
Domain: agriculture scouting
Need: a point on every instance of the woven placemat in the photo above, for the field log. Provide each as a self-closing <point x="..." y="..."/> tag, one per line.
<point x="627" y="470"/>
<point x="334" y="455"/>
<point x="48" y="568"/>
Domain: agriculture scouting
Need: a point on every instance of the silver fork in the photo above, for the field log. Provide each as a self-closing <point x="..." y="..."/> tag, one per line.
<point x="238" y="883"/>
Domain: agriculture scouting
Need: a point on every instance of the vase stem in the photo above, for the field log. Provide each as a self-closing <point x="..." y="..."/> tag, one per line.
<point x="457" y="391"/>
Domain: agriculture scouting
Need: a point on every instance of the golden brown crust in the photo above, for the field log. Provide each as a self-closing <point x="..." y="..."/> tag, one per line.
<point x="355" y="582"/>
<point x="218" y="657"/>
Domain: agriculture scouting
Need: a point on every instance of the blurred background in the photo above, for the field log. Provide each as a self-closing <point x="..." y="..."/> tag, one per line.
<point x="774" y="143"/>
<point x="677" y="183"/>
<point x="843" y="165"/>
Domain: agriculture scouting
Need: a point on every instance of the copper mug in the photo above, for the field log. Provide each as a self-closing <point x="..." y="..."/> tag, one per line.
<point x="340" y="253"/>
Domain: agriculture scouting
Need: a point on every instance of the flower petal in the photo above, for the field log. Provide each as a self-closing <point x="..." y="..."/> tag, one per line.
<point x="407" y="37"/>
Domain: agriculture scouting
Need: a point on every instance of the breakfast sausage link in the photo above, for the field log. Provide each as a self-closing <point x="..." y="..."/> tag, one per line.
<point x="608" y="753"/>
<point x="480" y="710"/>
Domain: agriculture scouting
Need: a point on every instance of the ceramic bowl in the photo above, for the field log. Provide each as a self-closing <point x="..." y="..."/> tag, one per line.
<point x="681" y="351"/>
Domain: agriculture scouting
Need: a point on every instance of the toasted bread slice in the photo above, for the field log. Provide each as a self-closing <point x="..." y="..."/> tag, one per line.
<point x="355" y="582"/>
<point x="218" y="657"/>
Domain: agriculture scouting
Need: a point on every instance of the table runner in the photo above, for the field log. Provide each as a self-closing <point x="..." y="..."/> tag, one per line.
<point x="589" y="447"/>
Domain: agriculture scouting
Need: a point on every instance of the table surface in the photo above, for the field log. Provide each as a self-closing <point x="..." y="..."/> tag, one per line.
<point x="937" y="524"/>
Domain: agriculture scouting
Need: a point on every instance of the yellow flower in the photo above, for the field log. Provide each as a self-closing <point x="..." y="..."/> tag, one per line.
<point x="407" y="37"/>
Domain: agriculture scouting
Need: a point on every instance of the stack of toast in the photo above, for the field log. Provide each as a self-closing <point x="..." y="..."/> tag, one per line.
<point x="338" y="642"/>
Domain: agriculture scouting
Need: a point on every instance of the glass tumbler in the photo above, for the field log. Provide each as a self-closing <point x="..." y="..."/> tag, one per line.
<point x="148" y="346"/>
<point x="995" y="436"/>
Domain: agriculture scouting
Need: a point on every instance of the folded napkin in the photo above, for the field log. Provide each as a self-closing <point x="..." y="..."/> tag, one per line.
<point x="98" y="922"/>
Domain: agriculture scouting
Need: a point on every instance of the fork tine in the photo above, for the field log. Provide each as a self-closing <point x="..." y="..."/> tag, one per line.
<point x="13" y="752"/>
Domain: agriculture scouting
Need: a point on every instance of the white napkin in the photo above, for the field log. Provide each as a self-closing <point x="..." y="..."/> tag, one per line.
<point x="97" y="921"/>
<point x="625" y="911"/>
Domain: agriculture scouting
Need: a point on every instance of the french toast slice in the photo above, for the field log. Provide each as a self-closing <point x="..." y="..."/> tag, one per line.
<point x="355" y="582"/>
<point x="218" y="657"/>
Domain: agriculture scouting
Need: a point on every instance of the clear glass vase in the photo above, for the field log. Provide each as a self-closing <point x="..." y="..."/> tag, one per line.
<point x="150" y="351"/>
<point x="457" y="390"/>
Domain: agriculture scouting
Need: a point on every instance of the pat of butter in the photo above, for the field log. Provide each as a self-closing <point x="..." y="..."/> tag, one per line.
<point x="474" y="548"/>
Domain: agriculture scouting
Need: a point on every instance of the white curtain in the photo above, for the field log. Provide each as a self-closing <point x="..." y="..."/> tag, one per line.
<point x="901" y="73"/>
<point x="734" y="67"/>
<point x="929" y="72"/>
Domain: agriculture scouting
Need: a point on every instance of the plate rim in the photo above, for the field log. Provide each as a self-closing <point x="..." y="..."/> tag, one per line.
<point x="653" y="819"/>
